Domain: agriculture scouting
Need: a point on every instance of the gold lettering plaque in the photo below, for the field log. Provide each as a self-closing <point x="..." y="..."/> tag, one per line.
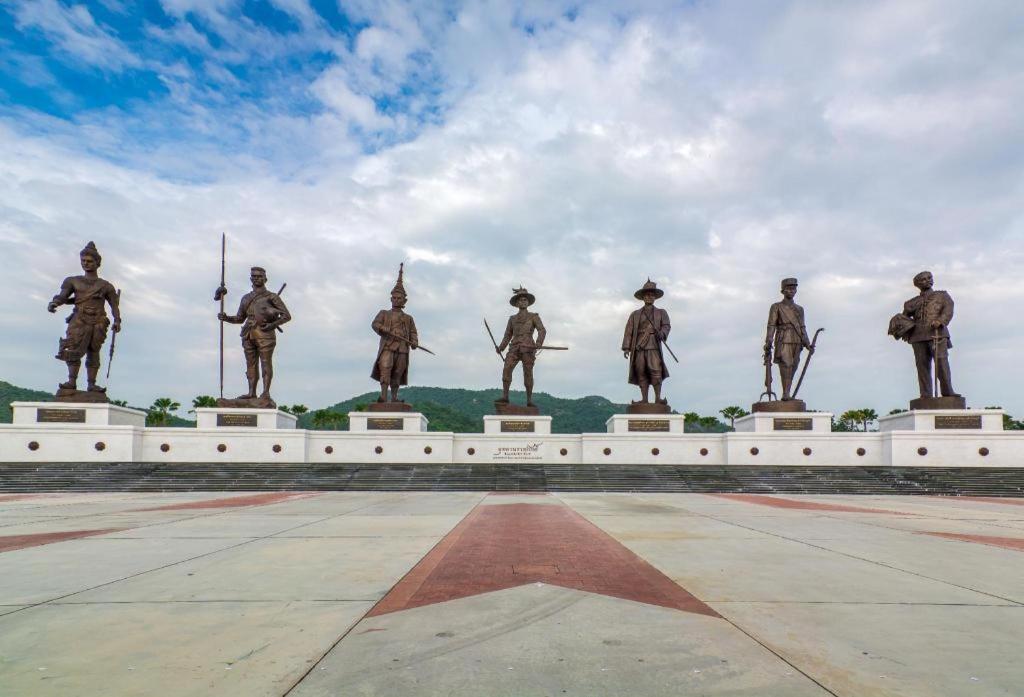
<point x="60" y="416"/>
<point x="236" y="420"/>
<point x="958" y="421"/>
<point x="389" y="424"/>
<point x="517" y="427"/>
<point x="648" y="425"/>
<point x="792" y="424"/>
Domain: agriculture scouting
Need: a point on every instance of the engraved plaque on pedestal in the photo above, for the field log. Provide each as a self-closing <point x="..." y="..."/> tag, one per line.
<point x="946" y="421"/>
<point x="237" y="420"/>
<point x="792" y="424"/>
<point x="649" y="425"/>
<point x="379" y="424"/>
<point x="60" y="416"/>
<point x="517" y="427"/>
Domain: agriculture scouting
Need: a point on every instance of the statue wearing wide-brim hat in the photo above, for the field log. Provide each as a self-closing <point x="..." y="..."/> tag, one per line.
<point x="524" y="335"/>
<point x="649" y="287"/>
<point x="645" y="334"/>
<point x="521" y="293"/>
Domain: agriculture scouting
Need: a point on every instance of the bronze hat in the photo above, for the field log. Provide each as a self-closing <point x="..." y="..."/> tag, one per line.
<point x="788" y="282"/>
<point x="521" y="292"/>
<point x="90" y="250"/>
<point x="399" y="286"/>
<point x="649" y="287"/>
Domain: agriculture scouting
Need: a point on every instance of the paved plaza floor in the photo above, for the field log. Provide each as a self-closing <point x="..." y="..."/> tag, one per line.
<point x="485" y="595"/>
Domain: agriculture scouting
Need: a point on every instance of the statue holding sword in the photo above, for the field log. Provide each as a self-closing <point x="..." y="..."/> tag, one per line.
<point x="785" y="339"/>
<point x="646" y="333"/>
<point x="524" y="337"/>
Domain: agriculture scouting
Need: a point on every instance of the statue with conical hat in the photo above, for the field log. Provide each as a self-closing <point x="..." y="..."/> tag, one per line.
<point x="524" y="336"/>
<point x="647" y="330"/>
<point x="87" y="326"/>
<point x="924" y="324"/>
<point x="397" y="332"/>
<point x="261" y="312"/>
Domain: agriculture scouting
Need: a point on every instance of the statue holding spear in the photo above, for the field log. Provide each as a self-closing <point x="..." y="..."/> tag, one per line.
<point x="261" y="314"/>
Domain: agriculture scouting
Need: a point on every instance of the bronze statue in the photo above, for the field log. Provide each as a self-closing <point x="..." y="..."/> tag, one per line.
<point x="784" y="341"/>
<point x="87" y="326"/>
<point x="646" y="332"/>
<point x="521" y="344"/>
<point x="924" y="324"/>
<point x="398" y="335"/>
<point x="261" y="314"/>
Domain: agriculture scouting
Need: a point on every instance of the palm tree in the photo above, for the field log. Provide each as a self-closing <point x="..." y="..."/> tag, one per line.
<point x="733" y="413"/>
<point x="297" y="409"/>
<point x="326" y="418"/>
<point x="867" y="416"/>
<point x="160" y="412"/>
<point x="202" y="401"/>
<point x="850" y="417"/>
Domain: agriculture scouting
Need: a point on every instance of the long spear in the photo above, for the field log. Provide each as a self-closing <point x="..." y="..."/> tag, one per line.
<point x="219" y="294"/>
<point x="803" y="372"/>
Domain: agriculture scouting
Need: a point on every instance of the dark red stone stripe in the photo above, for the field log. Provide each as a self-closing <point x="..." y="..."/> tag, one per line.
<point x="795" y="504"/>
<point x="1015" y="543"/>
<point x="9" y="543"/>
<point x="986" y="499"/>
<point x="231" y="502"/>
<point x="17" y="497"/>
<point x="507" y="545"/>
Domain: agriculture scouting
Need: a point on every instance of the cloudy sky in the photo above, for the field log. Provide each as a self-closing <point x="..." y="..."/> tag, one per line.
<point x="576" y="148"/>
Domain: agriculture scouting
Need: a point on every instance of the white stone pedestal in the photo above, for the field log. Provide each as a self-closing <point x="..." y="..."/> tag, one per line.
<point x="785" y="422"/>
<point x="47" y="414"/>
<point x="260" y="419"/>
<point x="513" y="425"/>
<point x="943" y="420"/>
<point x="366" y="421"/>
<point x="645" y="423"/>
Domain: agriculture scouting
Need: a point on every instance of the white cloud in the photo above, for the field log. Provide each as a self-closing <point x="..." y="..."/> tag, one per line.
<point x="76" y="33"/>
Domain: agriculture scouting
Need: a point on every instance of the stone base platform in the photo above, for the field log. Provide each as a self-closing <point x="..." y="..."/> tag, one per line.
<point x="523" y="424"/>
<point x="509" y="409"/>
<point x="789" y="405"/>
<point x="652" y="423"/>
<point x="783" y="421"/>
<point x="49" y="414"/>
<point x="957" y="402"/>
<point x="376" y="420"/>
<point x="389" y="407"/>
<point x="648" y="408"/>
<point x="943" y="420"/>
<point x="64" y="394"/>
<point x="228" y="417"/>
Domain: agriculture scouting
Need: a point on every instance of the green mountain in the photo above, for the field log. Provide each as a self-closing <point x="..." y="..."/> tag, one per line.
<point x="446" y="409"/>
<point x="462" y="410"/>
<point x="11" y="393"/>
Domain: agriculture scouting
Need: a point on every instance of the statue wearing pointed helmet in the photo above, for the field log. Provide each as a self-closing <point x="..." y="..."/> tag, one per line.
<point x="398" y="336"/>
<point x="87" y="325"/>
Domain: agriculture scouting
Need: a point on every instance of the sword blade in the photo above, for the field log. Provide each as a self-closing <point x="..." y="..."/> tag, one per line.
<point x="803" y="371"/>
<point x="491" y="334"/>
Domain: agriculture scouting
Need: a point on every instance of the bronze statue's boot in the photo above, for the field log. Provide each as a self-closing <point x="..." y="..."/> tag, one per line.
<point x="383" y="394"/>
<point x="394" y="394"/>
<point x="506" y="385"/>
<point x="529" y="397"/>
<point x="657" y="395"/>
<point x="645" y="391"/>
<point x="91" y="372"/>
<point x="69" y="385"/>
